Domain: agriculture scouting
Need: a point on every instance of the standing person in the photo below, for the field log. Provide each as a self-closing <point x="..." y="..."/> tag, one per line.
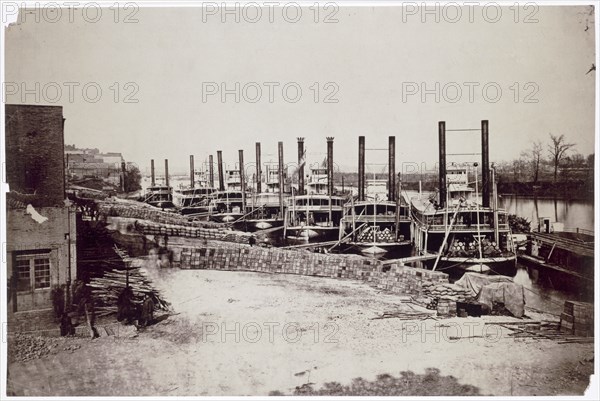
<point x="252" y="240"/>
<point x="147" y="315"/>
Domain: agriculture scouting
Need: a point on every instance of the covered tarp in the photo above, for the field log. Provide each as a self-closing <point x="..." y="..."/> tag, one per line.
<point x="495" y="289"/>
<point x="475" y="281"/>
<point x="510" y="294"/>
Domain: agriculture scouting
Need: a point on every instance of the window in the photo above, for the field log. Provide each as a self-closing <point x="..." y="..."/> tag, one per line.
<point x="33" y="271"/>
<point x="23" y="275"/>
<point x="42" y="273"/>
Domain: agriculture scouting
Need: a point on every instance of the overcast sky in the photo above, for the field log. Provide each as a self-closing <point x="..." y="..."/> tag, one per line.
<point x="371" y="55"/>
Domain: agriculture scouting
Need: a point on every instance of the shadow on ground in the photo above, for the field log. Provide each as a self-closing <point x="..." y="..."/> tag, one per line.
<point x="431" y="383"/>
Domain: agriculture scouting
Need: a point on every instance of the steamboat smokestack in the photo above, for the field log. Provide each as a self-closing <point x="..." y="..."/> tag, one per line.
<point x="191" y="171"/>
<point x="485" y="164"/>
<point x="258" y="169"/>
<point x="242" y="182"/>
<point x="300" y="166"/>
<point x="167" y="172"/>
<point x="392" y="169"/>
<point x="123" y="171"/>
<point x="442" y="167"/>
<point x="361" y="168"/>
<point x="220" y="170"/>
<point x="330" y="165"/>
<point x="152" y="176"/>
<point x="211" y="172"/>
<point x="281" y="180"/>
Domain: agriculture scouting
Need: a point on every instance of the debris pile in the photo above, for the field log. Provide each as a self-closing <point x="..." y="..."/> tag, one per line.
<point x="25" y="347"/>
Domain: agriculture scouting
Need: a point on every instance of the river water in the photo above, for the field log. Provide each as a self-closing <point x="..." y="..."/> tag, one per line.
<point x="572" y="214"/>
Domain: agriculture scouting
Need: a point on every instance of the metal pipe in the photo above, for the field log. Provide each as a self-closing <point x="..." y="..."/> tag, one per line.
<point x="153" y="177"/>
<point x="258" y="169"/>
<point x="392" y="169"/>
<point x="361" y="168"/>
<point x="442" y="161"/>
<point x="167" y="172"/>
<point x="280" y="173"/>
<point x="220" y="170"/>
<point x="211" y="173"/>
<point x="330" y="165"/>
<point x="191" y="171"/>
<point x="485" y="164"/>
<point x="242" y="182"/>
<point x="301" y="163"/>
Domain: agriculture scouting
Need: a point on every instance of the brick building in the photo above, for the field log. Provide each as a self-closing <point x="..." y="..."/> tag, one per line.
<point x="41" y="229"/>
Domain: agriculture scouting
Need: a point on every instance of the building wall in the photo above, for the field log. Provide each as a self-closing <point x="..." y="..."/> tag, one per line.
<point x="34" y="152"/>
<point x="25" y="236"/>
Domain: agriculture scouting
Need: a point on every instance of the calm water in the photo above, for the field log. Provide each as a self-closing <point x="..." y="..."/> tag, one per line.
<point x="572" y="213"/>
<point x="540" y="293"/>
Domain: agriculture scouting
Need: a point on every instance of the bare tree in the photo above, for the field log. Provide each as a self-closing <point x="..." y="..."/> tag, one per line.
<point x="536" y="158"/>
<point x="557" y="150"/>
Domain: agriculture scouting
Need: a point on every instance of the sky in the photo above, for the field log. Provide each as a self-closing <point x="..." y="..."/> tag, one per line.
<point x="380" y="65"/>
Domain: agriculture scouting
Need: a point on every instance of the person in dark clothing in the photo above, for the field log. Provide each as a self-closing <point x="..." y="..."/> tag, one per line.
<point x="125" y="306"/>
<point x="147" y="313"/>
<point x="252" y="240"/>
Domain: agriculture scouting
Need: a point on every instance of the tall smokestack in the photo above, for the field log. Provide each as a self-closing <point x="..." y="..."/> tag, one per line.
<point x="361" y="168"/>
<point x="392" y="169"/>
<point x="220" y="169"/>
<point x="485" y="164"/>
<point x="330" y="165"/>
<point x="167" y="172"/>
<point x="123" y="171"/>
<point x="301" y="163"/>
<point x="153" y="177"/>
<point x="242" y="182"/>
<point x="281" y="180"/>
<point x="258" y="169"/>
<point x="211" y="172"/>
<point x="442" y="167"/>
<point x="191" y="171"/>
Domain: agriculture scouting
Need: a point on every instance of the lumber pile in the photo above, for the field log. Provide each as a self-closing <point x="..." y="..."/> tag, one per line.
<point x="106" y="289"/>
<point x="577" y="319"/>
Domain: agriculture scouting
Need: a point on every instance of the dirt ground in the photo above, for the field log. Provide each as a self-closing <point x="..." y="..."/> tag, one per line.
<point x="240" y="333"/>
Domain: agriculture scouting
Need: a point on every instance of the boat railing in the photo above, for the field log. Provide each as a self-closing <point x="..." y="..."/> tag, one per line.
<point x="465" y="227"/>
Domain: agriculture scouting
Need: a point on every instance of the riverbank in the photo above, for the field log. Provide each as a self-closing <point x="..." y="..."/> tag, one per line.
<point x="226" y="337"/>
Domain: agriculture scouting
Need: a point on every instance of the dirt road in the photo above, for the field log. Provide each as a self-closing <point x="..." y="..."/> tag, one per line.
<point x="239" y="333"/>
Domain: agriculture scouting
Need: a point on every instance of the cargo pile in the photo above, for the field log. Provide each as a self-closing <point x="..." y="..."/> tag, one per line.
<point x="222" y="256"/>
<point x="471" y="248"/>
<point x="220" y="233"/>
<point x="144" y="212"/>
<point x="452" y="292"/>
<point x="577" y="319"/>
<point x="408" y="280"/>
<point x="374" y="234"/>
<point x="275" y="260"/>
